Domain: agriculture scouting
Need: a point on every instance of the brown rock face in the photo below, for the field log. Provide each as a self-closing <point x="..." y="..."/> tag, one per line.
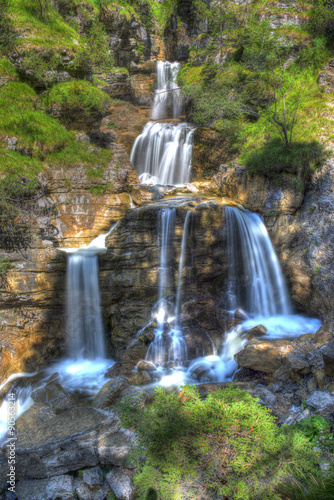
<point x="265" y="356"/>
<point x="210" y="150"/>
<point x="71" y="214"/>
<point x="258" y="193"/>
<point x="130" y="270"/>
<point x="304" y="242"/>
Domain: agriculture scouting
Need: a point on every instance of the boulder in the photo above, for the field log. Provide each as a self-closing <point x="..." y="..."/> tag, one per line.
<point x="319" y="399"/>
<point x="121" y="484"/>
<point x="72" y="440"/>
<point x="297" y="363"/>
<point x="54" y="488"/>
<point x="146" y="366"/>
<point x="109" y="393"/>
<point x="85" y="492"/>
<point x="137" y="378"/>
<point x="264" y="356"/>
<point x="35" y="415"/>
<point x="328" y="357"/>
<point x="113" y="372"/>
<point x="93" y="477"/>
<point x="133" y="396"/>
<point x="54" y="394"/>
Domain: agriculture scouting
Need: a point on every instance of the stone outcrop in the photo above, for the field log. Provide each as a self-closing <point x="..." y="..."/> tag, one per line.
<point x="129" y="270"/>
<point x="76" y="438"/>
<point x="76" y="207"/>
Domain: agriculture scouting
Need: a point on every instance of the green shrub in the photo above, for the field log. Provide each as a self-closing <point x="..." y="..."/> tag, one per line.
<point x="227" y="445"/>
<point x="76" y="95"/>
<point x="273" y="158"/>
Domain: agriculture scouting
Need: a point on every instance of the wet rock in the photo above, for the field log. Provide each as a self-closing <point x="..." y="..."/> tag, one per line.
<point x="328" y="357"/>
<point x="54" y="488"/>
<point x="121" y="484"/>
<point x="258" y="331"/>
<point x="74" y="439"/>
<point x="93" y="477"/>
<point x="35" y="415"/>
<point x="319" y="399"/>
<point x="137" y="378"/>
<point x="54" y="394"/>
<point x="146" y="366"/>
<point x="320" y="378"/>
<point x="144" y="194"/>
<point x="240" y="314"/>
<point x="265" y="356"/>
<point x="113" y="372"/>
<point x="109" y="393"/>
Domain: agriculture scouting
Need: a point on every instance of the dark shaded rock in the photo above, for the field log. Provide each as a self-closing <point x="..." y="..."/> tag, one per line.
<point x="137" y="378"/>
<point x="85" y="492"/>
<point x="297" y="363"/>
<point x="113" y="372"/>
<point x="93" y="477"/>
<point x="74" y="439"/>
<point x="121" y="484"/>
<point x="328" y="357"/>
<point x="258" y="331"/>
<point x="138" y="394"/>
<point x="54" y="394"/>
<point x="109" y="393"/>
<point x="59" y="487"/>
<point x="327" y="412"/>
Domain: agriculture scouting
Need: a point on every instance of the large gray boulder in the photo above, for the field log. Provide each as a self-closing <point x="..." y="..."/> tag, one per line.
<point x="55" y="488"/>
<point x="72" y="440"/>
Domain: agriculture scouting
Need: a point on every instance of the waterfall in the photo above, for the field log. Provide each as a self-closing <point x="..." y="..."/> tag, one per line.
<point x="181" y="266"/>
<point x="256" y="282"/>
<point x="162" y="153"/>
<point x="84" y="320"/>
<point x="169" y="345"/>
<point x="167" y="97"/>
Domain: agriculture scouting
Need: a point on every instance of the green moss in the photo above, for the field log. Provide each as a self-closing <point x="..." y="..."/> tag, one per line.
<point x="77" y="94"/>
<point x="34" y="129"/>
<point x="95" y="173"/>
<point x="101" y="190"/>
<point x="7" y="69"/>
<point x="79" y="153"/>
<point x="49" y="30"/>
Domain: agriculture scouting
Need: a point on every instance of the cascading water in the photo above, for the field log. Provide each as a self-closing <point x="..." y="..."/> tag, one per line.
<point x="84" y="320"/>
<point x="162" y="154"/>
<point x="167" y="97"/>
<point x="255" y="284"/>
<point x="169" y="345"/>
<point x="181" y="267"/>
<point x="86" y="365"/>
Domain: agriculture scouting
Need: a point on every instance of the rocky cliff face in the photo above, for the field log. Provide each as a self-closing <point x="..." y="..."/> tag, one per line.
<point x="73" y="211"/>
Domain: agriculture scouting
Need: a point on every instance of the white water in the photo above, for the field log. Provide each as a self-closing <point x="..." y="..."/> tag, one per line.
<point x="257" y="285"/>
<point x="256" y="282"/>
<point x="163" y="151"/>
<point x="85" y="368"/>
<point x="169" y="345"/>
<point x="167" y="97"/>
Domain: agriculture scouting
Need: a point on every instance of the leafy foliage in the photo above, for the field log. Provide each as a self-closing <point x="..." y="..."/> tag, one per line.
<point x="77" y="94"/>
<point x="225" y="445"/>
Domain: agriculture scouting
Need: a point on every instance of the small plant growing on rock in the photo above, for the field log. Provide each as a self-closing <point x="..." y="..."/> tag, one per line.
<point x="227" y="445"/>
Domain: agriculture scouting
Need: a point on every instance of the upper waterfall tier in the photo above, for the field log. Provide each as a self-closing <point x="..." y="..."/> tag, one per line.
<point x="162" y="153"/>
<point x="167" y="98"/>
